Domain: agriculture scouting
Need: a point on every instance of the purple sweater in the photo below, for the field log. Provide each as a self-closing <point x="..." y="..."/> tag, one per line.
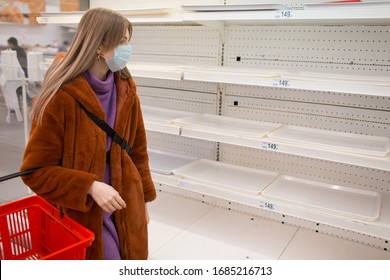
<point x="106" y="93"/>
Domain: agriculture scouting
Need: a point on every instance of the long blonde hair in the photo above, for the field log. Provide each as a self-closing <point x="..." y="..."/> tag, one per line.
<point x="98" y="27"/>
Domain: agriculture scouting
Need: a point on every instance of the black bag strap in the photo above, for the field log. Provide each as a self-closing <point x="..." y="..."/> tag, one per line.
<point x="17" y="174"/>
<point x="110" y="132"/>
<point x="102" y="124"/>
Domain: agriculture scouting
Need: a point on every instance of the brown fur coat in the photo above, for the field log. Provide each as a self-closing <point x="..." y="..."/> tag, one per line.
<point x="72" y="149"/>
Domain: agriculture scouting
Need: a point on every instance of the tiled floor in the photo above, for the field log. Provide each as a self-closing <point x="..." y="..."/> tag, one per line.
<point x="182" y="228"/>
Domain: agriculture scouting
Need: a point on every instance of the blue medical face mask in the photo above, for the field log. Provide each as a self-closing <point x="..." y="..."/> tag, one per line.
<point x="122" y="55"/>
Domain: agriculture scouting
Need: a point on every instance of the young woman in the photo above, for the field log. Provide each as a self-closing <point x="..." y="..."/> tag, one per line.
<point x="105" y="193"/>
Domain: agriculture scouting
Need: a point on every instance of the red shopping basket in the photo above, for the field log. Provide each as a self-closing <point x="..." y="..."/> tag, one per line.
<point x="31" y="228"/>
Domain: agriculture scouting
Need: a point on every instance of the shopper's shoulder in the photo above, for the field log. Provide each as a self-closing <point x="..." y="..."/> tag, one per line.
<point x="131" y="86"/>
<point x="126" y="86"/>
<point x="131" y="82"/>
<point x="61" y="100"/>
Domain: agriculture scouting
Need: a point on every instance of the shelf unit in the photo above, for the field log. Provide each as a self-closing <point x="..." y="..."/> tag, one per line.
<point x="256" y="77"/>
<point x="262" y="77"/>
<point x="255" y="135"/>
<point x="274" y="17"/>
<point x="225" y="86"/>
<point x="378" y="229"/>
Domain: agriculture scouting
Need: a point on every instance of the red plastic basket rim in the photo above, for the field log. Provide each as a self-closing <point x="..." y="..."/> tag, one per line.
<point x="85" y="235"/>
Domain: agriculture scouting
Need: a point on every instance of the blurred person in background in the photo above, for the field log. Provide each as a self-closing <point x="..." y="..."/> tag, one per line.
<point x="20" y="53"/>
<point x="64" y="47"/>
<point x="22" y="58"/>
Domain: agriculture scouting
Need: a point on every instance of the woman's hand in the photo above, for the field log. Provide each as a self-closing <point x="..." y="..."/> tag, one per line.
<point x="147" y="213"/>
<point x="106" y="197"/>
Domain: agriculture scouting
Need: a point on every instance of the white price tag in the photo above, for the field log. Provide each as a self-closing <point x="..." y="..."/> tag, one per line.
<point x="185" y="184"/>
<point x="281" y="83"/>
<point x="267" y="205"/>
<point x="284" y="14"/>
<point x="270" y="146"/>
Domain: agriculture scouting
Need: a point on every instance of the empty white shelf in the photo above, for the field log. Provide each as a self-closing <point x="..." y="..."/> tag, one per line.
<point x="333" y="199"/>
<point x="226" y="176"/>
<point x="226" y="126"/>
<point x="368" y="151"/>
<point x="337" y="77"/>
<point x="346" y="5"/>
<point x="162" y="115"/>
<point x="161" y="120"/>
<point x="164" y="162"/>
<point x="233" y="7"/>
<point x="332" y="140"/>
<point x="336" y="82"/>
<point x="371" y="15"/>
<point x="156" y="71"/>
<point x="309" y="17"/>
<point x="366" y="85"/>
<point x="377" y="162"/>
<point x="230" y="75"/>
<point x="351" y="221"/>
<point x="172" y="233"/>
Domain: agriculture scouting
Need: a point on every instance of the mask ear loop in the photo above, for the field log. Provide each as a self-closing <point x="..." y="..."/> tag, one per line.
<point x="99" y="55"/>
